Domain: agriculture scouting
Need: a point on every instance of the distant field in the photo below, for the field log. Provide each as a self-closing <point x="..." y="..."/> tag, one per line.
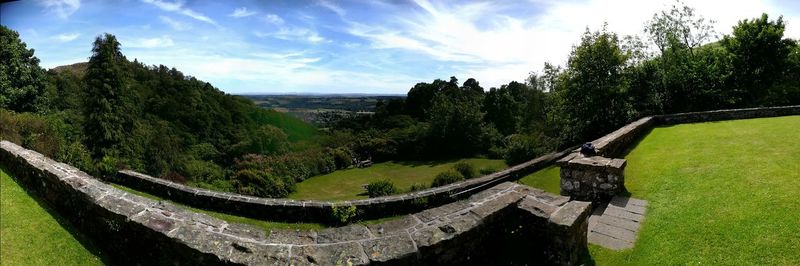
<point x="347" y="184"/>
<point x="321" y="110"/>
<point x="720" y="193"/>
<point x="32" y="234"/>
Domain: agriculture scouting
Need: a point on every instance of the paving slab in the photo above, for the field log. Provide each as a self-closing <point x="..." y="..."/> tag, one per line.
<point x="616" y="225"/>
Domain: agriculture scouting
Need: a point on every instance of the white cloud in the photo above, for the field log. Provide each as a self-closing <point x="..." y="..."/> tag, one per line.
<point x="177" y="7"/>
<point x="176" y="25"/>
<point x="242" y="12"/>
<point x="488" y="43"/>
<point x="158" y="42"/>
<point x="294" y="34"/>
<point x="67" y="37"/>
<point x="332" y="7"/>
<point x="273" y="19"/>
<point x="62" y="8"/>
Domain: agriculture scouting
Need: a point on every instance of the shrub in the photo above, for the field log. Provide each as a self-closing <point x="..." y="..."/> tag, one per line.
<point x="447" y="177"/>
<point x="465" y="169"/>
<point x="343" y="214"/>
<point x="417" y="187"/>
<point x="487" y="171"/>
<point x="381" y="188"/>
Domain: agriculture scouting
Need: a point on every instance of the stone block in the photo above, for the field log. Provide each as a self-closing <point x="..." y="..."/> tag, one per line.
<point x="294" y="237"/>
<point x="398" y="247"/>
<point x="350" y="253"/>
<point x="393" y="226"/>
<point x="341" y="234"/>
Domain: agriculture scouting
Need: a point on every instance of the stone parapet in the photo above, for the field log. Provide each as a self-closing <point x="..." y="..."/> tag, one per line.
<point x="592" y="178"/>
<point x="320" y="211"/>
<point x="717" y="115"/>
<point x="551" y="229"/>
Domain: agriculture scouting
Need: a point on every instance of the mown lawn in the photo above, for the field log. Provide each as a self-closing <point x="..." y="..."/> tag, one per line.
<point x="720" y="193"/>
<point x="32" y="234"/>
<point x="548" y="179"/>
<point x="347" y="184"/>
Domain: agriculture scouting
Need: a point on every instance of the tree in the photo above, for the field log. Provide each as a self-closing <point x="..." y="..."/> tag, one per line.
<point x="760" y="56"/>
<point x="22" y="81"/>
<point x="592" y="104"/>
<point x="679" y="28"/>
<point x="106" y="107"/>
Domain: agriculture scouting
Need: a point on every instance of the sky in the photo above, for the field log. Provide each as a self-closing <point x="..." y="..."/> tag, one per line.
<point x="356" y="46"/>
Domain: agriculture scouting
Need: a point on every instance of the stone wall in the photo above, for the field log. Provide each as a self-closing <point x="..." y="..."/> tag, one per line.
<point x="506" y="223"/>
<point x="617" y="142"/>
<point x="592" y="178"/>
<point x="320" y="211"/>
<point x="731" y="114"/>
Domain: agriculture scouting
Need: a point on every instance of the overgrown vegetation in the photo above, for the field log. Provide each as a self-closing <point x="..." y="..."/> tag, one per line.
<point x="446" y="178"/>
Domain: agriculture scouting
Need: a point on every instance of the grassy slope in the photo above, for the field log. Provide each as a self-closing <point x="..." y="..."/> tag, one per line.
<point x="548" y="179"/>
<point x="720" y="193"/>
<point x="266" y="225"/>
<point x="31" y="234"/>
<point x="295" y="129"/>
<point x="346" y="184"/>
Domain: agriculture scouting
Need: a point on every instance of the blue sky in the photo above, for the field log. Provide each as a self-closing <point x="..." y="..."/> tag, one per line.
<point x="361" y="46"/>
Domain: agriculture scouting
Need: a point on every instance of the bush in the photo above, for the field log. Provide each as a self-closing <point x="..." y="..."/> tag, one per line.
<point x="465" y="169"/>
<point x="343" y="214"/>
<point x="487" y="171"/>
<point x="417" y="187"/>
<point x="447" y="177"/>
<point x="381" y="188"/>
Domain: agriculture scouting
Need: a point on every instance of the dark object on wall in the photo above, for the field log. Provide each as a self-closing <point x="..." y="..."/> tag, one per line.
<point x="588" y="149"/>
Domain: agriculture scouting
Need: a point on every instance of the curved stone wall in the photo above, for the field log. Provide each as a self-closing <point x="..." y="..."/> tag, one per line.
<point x="731" y="114"/>
<point x="320" y="211"/>
<point x="506" y="223"/>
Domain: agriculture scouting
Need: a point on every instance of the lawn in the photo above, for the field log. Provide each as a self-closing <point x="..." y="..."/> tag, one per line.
<point x="720" y="193"/>
<point x="347" y="184"/>
<point x="548" y="179"/>
<point x="32" y="234"/>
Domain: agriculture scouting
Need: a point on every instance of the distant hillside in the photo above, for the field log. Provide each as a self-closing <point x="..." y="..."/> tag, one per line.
<point x="78" y="69"/>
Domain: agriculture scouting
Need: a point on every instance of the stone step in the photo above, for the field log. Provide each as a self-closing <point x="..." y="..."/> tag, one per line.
<point x="615" y="225"/>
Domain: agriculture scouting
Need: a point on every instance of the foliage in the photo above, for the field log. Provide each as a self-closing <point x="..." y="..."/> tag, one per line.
<point x="487" y="171"/>
<point x="22" y="81"/>
<point x="446" y="177"/>
<point x="343" y="214"/>
<point x="381" y="188"/>
<point x="465" y="169"/>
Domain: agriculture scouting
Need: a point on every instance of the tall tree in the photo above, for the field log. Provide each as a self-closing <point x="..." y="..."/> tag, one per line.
<point x="22" y="81"/>
<point x="108" y="119"/>
<point x="760" y="56"/>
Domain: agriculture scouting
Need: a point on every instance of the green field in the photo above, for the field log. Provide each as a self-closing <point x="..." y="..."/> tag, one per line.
<point x="720" y="193"/>
<point x="32" y="234"/>
<point x="547" y="179"/>
<point x="347" y="184"/>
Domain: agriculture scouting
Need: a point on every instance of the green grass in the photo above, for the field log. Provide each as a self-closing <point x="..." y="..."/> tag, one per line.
<point x="266" y="225"/>
<point x="548" y="179"/>
<point x="32" y="234"/>
<point x="296" y="130"/>
<point x="347" y="184"/>
<point x="720" y="193"/>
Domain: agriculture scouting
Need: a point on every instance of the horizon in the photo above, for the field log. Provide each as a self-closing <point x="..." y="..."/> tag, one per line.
<point x="347" y="47"/>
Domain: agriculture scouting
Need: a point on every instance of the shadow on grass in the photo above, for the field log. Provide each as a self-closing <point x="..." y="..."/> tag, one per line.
<point x="84" y="240"/>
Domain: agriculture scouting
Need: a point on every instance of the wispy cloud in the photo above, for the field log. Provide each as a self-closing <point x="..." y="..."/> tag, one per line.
<point x="176" y="25"/>
<point x="67" y="37"/>
<point x="332" y="7"/>
<point x="242" y="12"/>
<point x="62" y="8"/>
<point x="180" y="9"/>
<point x="273" y="19"/>
<point x="293" y="34"/>
<point x="158" y="42"/>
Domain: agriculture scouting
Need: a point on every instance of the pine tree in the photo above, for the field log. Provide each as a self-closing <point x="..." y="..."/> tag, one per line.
<point x="107" y="117"/>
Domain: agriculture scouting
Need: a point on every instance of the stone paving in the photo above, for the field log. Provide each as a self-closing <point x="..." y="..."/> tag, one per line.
<point x="616" y="225"/>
